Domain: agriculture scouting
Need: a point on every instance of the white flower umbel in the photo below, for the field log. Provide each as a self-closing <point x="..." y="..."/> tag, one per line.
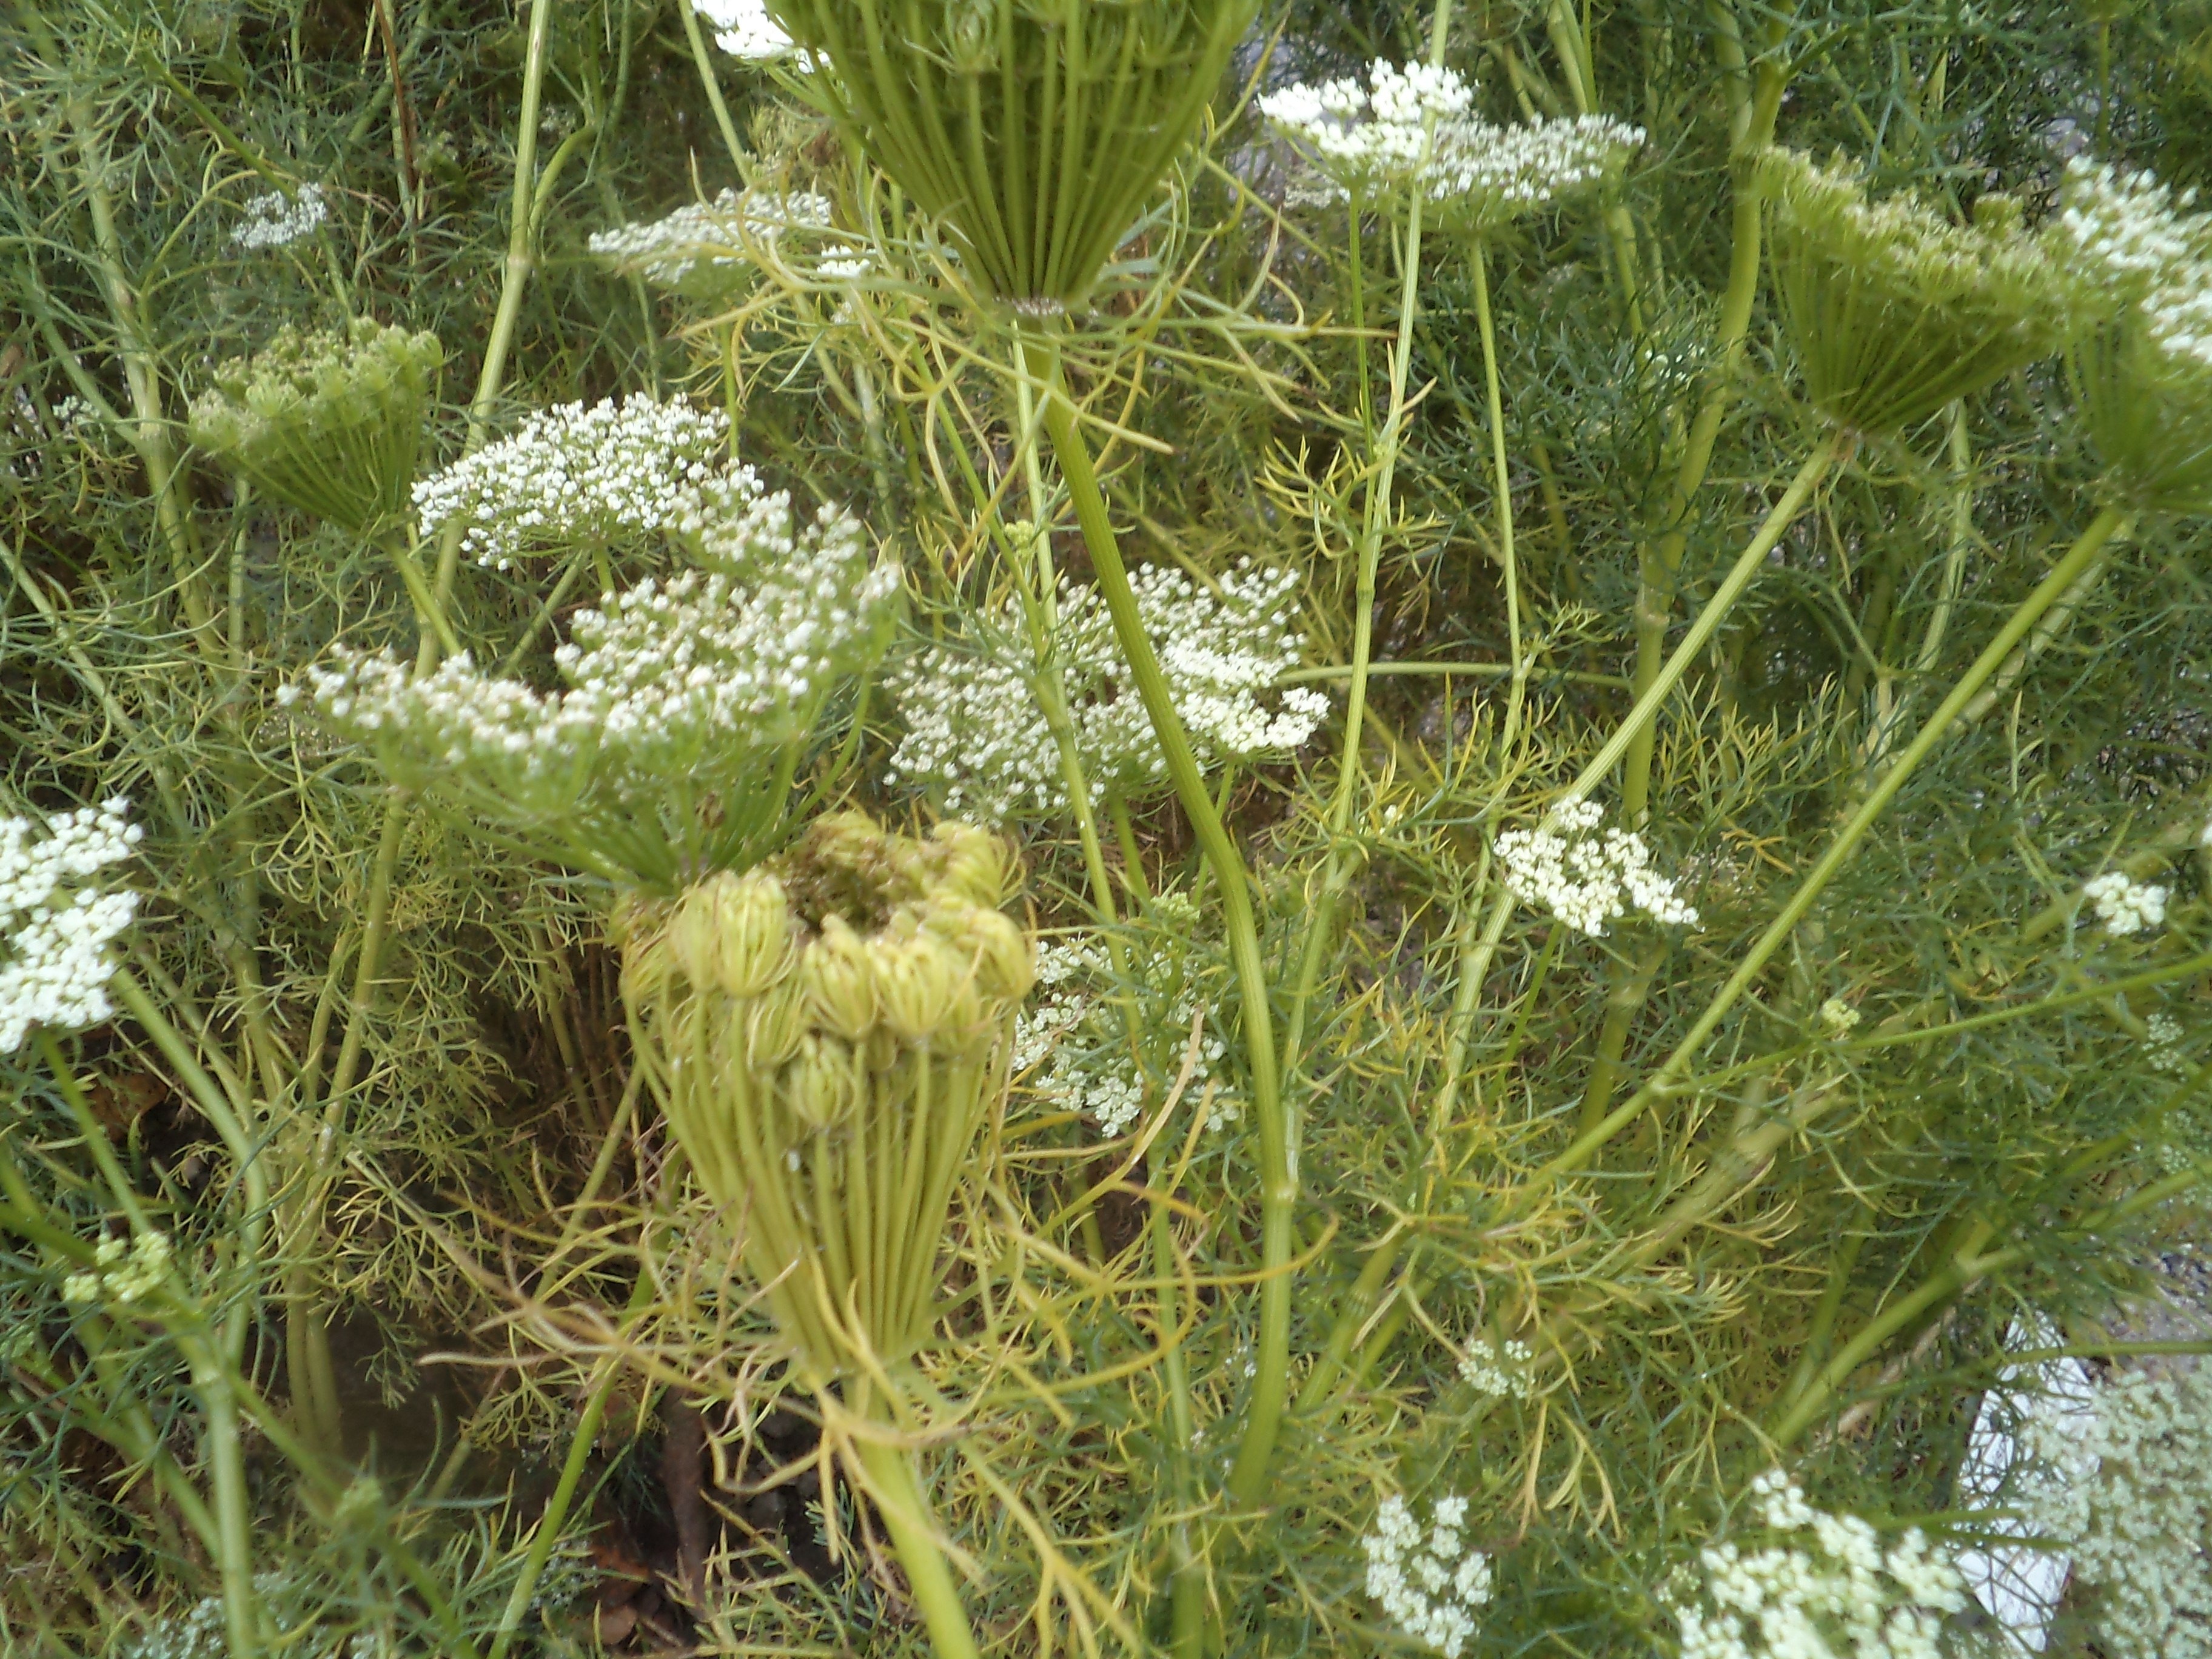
<point x="1585" y="879"/>
<point x="706" y="250"/>
<point x="976" y="730"/>
<point x="2129" y="1493"/>
<point x="681" y="693"/>
<point x="743" y="28"/>
<point x="1417" y="125"/>
<point x="1501" y="1373"/>
<point x="584" y="474"/>
<point x="2124" y="905"/>
<point x="1430" y="1583"/>
<point x="278" y="219"/>
<point x="1482" y="175"/>
<point x="1827" y="1590"/>
<point x="1373" y="135"/>
<point x="1838" y="1019"/>
<point x="56" y="965"/>
<point x="2162" y="1034"/>
<point x="2143" y="267"/>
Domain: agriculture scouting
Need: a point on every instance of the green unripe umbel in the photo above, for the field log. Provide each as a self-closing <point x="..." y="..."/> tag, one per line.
<point x="1033" y="130"/>
<point x="328" y="422"/>
<point x="826" y="1038"/>
<point x="1896" y="311"/>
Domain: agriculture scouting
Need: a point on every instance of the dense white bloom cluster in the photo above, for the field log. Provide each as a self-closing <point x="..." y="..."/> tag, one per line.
<point x="1367" y="136"/>
<point x="1830" y="1592"/>
<point x="587" y="473"/>
<point x="701" y="247"/>
<point x="1430" y="1583"/>
<point x="2128" y="1491"/>
<point x="2125" y="235"/>
<point x="665" y="679"/>
<point x="1417" y="124"/>
<point x="977" y="730"/>
<point x="1502" y="1374"/>
<point x="2123" y="905"/>
<point x="57" y="965"/>
<point x="122" y="1273"/>
<point x="743" y="28"/>
<point x="1586" y="879"/>
<point x="1071" y="1045"/>
<point x="278" y="220"/>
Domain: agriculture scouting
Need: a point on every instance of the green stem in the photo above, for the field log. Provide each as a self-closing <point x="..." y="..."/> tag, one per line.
<point x="233" y="1506"/>
<point x="2087" y="548"/>
<point x="1636" y="727"/>
<point x="1660" y="564"/>
<point x="1278" y="1186"/>
<point x="905" y="1511"/>
<point x="714" y="85"/>
<point x="1502" y="483"/>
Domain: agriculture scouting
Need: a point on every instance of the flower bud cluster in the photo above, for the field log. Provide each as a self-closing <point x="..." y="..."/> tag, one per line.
<point x="1430" y="1583"/>
<point x="583" y="475"/>
<point x="2128" y="1492"/>
<point x="326" y="423"/>
<point x="2124" y="905"/>
<point x="1586" y="879"/>
<point x="691" y="677"/>
<point x="278" y="220"/>
<point x="1829" y="1588"/>
<point x="977" y="730"/>
<point x="706" y="249"/>
<point x="114" y="1278"/>
<point x="826" y="1034"/>
<point x="56" y="965"/>
<point x="1415" y="125"/>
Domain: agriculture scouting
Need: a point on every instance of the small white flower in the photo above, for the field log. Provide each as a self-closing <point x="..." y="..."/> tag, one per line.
<point x="1839" y="1019"/>
<point x="56" y="963"/>
<point x="2123" y="905"/>
<point x="278" y="220"/>
<point x="1586" y="879"/>
<point x="1503" y="1374"/>
<point x="1430" y="1583"/>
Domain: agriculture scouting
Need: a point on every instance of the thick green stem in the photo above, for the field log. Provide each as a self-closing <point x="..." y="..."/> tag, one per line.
<point x="707" y="78"/>
<point x="1501" y="481"/>
<point x="1278" y="1186"/>
<point x="2085" y="550"/>
<point x="1660" y="686"/>
<point x="233" y="1512"/>
<point x="905" y="1511"/>
<point x="1660" y="562"/>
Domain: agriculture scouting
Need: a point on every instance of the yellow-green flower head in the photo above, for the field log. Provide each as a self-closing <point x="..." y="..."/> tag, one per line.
<point x="327" y="423"/>
<point x="2143" y="368"/>
<point x="1896" y="310"/>
<point x="1033" y="130"/>
<point x="826" y="1037"/>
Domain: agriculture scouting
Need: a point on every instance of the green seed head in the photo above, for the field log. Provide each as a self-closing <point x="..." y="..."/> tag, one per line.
<point x="328" y="422"/>
<point x="1896" y="310"/>
<point x="1033" y="130"/>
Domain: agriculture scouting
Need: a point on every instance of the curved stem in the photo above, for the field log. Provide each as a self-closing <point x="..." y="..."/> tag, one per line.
<point x="1277" y="1185"/>
<point x="906" y="1515"/>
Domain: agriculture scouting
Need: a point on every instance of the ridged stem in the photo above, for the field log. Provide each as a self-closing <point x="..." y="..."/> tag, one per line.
<point x="906" y="1516"/>
<point x="1278" y="1186"/>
